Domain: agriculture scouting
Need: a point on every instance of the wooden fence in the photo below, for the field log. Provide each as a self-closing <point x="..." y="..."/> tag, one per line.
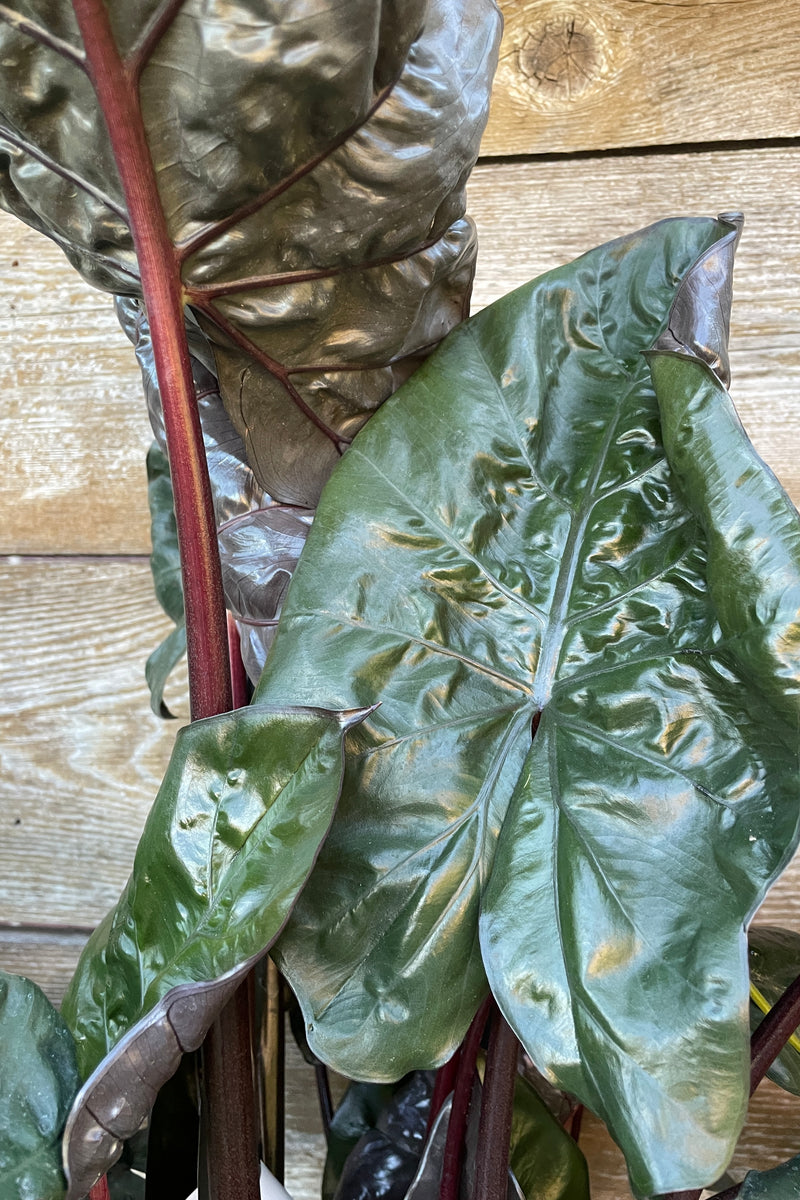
<point x="606" y="117"/>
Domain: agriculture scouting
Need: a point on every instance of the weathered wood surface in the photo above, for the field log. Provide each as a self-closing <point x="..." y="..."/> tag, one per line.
<point x="81" y="755"/>
<point x="581" y="75"/>
<point x="71" y="454"/>
<point x="72" y="429"/>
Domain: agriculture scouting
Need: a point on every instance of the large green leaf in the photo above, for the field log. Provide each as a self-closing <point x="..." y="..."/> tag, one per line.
<point x="774" y="956"/>
<point x="507" y="545"/>
<point x="311" y="162"/>
<point x="246" y="801"/>
<point x="38" y="1081"/>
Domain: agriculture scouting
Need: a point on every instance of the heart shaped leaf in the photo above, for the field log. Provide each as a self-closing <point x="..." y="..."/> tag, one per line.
<point x="507" y="551"/>
<point x="39" y="1081"/>
<point x="246" y="801"/>
<point x="311" y="172"/>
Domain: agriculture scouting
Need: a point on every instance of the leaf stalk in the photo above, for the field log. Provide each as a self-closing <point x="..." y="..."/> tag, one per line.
<point x="462" y="1096"/>
<point x="232" y="1142"/>
<point x="497" y="1107"/>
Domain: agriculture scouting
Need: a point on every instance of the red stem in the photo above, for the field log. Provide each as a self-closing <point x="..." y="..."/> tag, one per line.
<point x="100" y="1190"/>
<point x="114" y="81"/>
<point x="233" y="1159"/>
<point x="459" y="1113"/>
<point x="442" y="1087"/>
<point x="773" y="1033"/>
<point x="239" y="681"/>
<point x="576" y="1120"/>
<point x="497" y="1106"/>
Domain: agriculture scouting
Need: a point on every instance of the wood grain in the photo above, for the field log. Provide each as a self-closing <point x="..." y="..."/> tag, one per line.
<point x="535" y="216"/>
<point x="578" y="75"/>
<point x="81" y="755"/>
<point x="73" y="430"/>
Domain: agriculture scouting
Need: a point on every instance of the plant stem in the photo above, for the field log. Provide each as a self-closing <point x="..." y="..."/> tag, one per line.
<point x="324" y="1097"/>
<point x="773" y="1033"/>
<point x="443" y="1086"/>
<point x="497" y="1106"/>
<point x="462" y="1095"/>
<point x="233" y="1158"/>
<point x="100" y="1190"/>
<point x="272" y="1071"/>
<point x="115" y="83"/>
<point x="228" y="1111"/>
<point x="576" y="1120"/>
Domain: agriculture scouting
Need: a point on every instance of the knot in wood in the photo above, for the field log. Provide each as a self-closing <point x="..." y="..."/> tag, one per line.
<point x="562" y="57"/>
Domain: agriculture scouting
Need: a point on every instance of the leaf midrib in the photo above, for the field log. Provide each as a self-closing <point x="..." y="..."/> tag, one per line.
<point x="555" y="627"/>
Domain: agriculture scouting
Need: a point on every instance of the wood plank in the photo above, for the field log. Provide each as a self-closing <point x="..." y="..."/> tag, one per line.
<point x="81" y="755"/>
<point x="73" y="429"/>
<point x="537" y="215"/>
<point x="47" y="956"/>
<point x="77" y="462"/>
<point x="587" y="76"/>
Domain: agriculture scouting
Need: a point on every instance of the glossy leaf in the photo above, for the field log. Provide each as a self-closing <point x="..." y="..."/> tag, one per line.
<point x="774" y="964"/>
<point x="259" y="540"/>
<point x="311" y="169"/>
<point x="165" y="565"/>
<point x="781" y="1183"/>
<point x="547" y="1163"/>
<point x="38" y="1081"/>
<point x="426" y="1184"/>
<point x="505" y="545"/>
<point x="384" y="1158"/>
<point x="356" y="1115"/>
<point x="247" y="798"/>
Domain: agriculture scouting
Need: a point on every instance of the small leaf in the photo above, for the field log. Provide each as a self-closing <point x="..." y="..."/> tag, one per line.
<point x="160" y="665"/>
<point x="246" y="801"/>
<point x="383" y="1159"/>
<point x="165" y="565"/>
<point x="38" y="1081"/>
<point x="165" y="559"/>
<point x="774" y="956"/>
<point x="508" y="549"/>
<point x="547" y="1163"/>
<point x="357" y="1113"/>
<point x="780" y="1183"/>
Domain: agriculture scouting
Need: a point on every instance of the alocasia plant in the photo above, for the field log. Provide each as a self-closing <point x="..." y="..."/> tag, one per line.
<point x="553" y="561"/>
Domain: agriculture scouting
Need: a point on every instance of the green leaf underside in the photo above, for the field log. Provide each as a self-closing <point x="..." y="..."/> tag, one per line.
<point x="234" y="831"/>
<point x="165" y="565"/>
<point x="781" y="1183"/>
<point x="547" y="1163"/>
<point x="774" y="956"/>
<point x="509" y="538"/>
<point x="39" y="1080"/>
